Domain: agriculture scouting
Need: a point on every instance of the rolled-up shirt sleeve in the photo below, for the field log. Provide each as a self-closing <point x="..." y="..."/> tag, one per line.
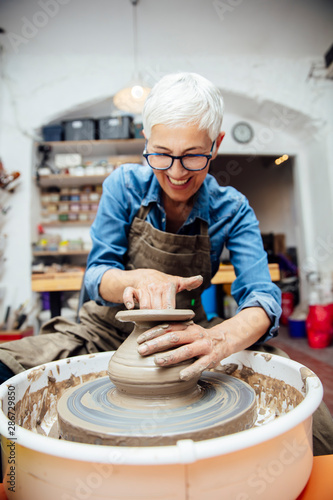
<point x="253" y="286"/>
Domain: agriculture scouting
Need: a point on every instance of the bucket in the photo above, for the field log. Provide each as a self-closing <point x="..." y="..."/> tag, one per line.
<point x="319" y="326"/>
<point x="209" y="302"/>
<point x="287" y="304"/>
<point x="297" y="328"/>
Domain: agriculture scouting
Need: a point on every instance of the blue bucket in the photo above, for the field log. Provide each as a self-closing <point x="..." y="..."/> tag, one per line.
<point x="297" y="328"/>
<point x="209" y="302"/>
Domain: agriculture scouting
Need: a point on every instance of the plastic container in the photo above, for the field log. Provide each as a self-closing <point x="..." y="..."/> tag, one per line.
<point x="10" y="335"/>
<point x="209" y="302"/>
<point x="138" y="129"/>
<point x="319" y="328"/>
<point x="79" y="130"/>
<point x="287" y="305"/>
<point x="297" y="328"/>
<point x="52" y="133"/>
<point x="117" y="127"/>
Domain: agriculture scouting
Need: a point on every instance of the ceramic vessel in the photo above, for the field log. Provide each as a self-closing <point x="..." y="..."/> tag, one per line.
<point x="137" y="376"/>
<point x="270" y="461"/>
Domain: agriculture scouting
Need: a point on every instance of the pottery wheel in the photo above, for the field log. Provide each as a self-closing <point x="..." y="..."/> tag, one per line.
<point x="88" y="413"/>
<point x="141" y="404"/>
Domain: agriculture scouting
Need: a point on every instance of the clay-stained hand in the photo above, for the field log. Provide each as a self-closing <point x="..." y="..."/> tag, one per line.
<point x="155" y="290"/>
<point x="206" y="346"/>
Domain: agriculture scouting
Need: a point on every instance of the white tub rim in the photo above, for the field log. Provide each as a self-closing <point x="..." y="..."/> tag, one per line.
<point x="185" y="451"/>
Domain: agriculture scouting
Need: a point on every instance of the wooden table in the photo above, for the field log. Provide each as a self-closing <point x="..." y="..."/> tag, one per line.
<point x="55" y="283"/>
<point x="226" y="274"/>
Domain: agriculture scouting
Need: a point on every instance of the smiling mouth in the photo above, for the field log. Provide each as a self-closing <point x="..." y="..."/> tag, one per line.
<point x="178" y="183"/>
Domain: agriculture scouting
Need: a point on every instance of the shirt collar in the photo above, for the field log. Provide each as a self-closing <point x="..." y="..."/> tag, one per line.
<point x="153" y="193"/>
<point x="201" y="206"/>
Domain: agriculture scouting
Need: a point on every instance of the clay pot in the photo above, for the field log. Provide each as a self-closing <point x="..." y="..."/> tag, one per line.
<point x="137" y="376"/>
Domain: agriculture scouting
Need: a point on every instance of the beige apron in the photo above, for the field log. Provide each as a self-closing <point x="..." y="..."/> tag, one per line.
<point x="98" y="331"/>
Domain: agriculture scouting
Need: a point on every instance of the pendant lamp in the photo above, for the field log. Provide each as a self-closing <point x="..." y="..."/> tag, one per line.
<point x="132" y="97"/>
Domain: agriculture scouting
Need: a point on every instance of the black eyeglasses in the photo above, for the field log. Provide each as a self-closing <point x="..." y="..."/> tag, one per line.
<point x="162" y="161"/>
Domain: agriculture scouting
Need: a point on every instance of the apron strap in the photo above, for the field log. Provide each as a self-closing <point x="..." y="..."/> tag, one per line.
<point x="144" y="211"/>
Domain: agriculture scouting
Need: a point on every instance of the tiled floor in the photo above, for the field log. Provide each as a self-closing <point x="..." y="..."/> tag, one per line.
<point x="318" y="360"/>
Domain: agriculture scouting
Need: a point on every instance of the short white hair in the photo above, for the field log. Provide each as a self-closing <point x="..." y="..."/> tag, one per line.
<point x="181" y="99"/>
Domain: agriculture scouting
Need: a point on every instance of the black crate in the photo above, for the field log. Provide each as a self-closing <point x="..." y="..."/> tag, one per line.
<point x="115" y="127"/>
<point x="83" y="129"/>
<point x="138" y="131"/>
<point x="52" y="133"/>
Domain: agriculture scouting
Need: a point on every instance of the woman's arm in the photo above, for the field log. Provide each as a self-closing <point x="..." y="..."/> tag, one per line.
<point x="209" y="346"/>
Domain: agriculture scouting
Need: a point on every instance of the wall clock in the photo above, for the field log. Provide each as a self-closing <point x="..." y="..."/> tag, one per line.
<point x="242" y="132"/>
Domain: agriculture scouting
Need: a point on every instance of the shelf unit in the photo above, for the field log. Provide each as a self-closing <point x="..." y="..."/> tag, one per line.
<point x="114" y="152"/>
<point x="66" y="180"/>
<point x="115" y="149"/>
<point x="57" y="253"/>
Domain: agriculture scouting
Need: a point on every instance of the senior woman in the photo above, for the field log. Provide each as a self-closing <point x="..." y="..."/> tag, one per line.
<point x="157" y="238"/>
<point x="161" y="228"/>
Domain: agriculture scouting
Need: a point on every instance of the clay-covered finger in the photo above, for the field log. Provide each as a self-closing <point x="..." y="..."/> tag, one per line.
<point x="144" y="299"/>
<point x="152" y="333"/>
<point x="196" y="368"/>
<point x="157" y="340"/>
<point x="190" y="283"/>
<point x="183" y="353"/>
<point x="169" y="296"/>
<point x="129" y="297"/>
<point x="156" y="296"/>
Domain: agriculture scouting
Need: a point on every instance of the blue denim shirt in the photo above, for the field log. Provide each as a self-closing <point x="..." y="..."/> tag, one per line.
<point x="231" y="222"/>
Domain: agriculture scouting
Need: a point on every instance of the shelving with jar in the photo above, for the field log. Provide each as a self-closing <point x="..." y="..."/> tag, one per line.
<point x="67" y="201"/>
<point x="68" y="185"/>
<point x="69" y="205"/>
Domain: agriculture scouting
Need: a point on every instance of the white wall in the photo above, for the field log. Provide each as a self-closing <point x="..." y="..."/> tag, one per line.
<point x="259" y="53"/>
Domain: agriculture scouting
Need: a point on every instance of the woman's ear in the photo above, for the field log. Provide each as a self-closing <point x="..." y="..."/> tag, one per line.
<point x="218" y="141"/>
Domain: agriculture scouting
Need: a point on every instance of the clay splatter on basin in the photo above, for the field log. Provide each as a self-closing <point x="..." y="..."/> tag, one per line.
<point x="37" y="411"/>
<point x="126" y="410"/>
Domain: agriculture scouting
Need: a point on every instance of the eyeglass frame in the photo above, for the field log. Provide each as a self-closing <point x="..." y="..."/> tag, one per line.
<point x="173" y="158"/>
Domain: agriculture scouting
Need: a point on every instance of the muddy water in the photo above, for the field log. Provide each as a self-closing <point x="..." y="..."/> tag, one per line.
<point x="37" y="411"/>
<point x="274" y="397"/>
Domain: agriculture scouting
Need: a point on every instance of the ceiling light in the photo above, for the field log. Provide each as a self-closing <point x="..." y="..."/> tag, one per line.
<point x="132" y="97"/>
<point x="280" y="160"/>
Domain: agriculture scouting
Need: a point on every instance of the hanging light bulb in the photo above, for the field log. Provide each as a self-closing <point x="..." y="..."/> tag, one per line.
<point x="132" y="97"/>
<point x="137" y="91"/>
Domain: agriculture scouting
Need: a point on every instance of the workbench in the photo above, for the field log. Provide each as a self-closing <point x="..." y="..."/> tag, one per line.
<point x="55" y="283"/>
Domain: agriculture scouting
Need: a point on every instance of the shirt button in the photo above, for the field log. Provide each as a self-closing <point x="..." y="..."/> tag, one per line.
<point x="163" y="220"/>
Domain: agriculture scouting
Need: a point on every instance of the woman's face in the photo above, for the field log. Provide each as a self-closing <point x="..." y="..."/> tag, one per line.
<point x="178" y="183"/>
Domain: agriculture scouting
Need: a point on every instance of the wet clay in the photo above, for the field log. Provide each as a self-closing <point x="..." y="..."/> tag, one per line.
<point x="37" y="410"/>
<point x="224" y="405"/>
<point x="137" y="378"/>
<point x="143" y="422"/>
<point x="125" y="411"/>
<point x="273" y="398"/>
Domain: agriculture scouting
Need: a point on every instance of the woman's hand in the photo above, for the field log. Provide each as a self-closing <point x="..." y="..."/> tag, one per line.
<point x="155" y="290"/>
<point x="148" y="288"/>
<point x="208" y="347"/>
